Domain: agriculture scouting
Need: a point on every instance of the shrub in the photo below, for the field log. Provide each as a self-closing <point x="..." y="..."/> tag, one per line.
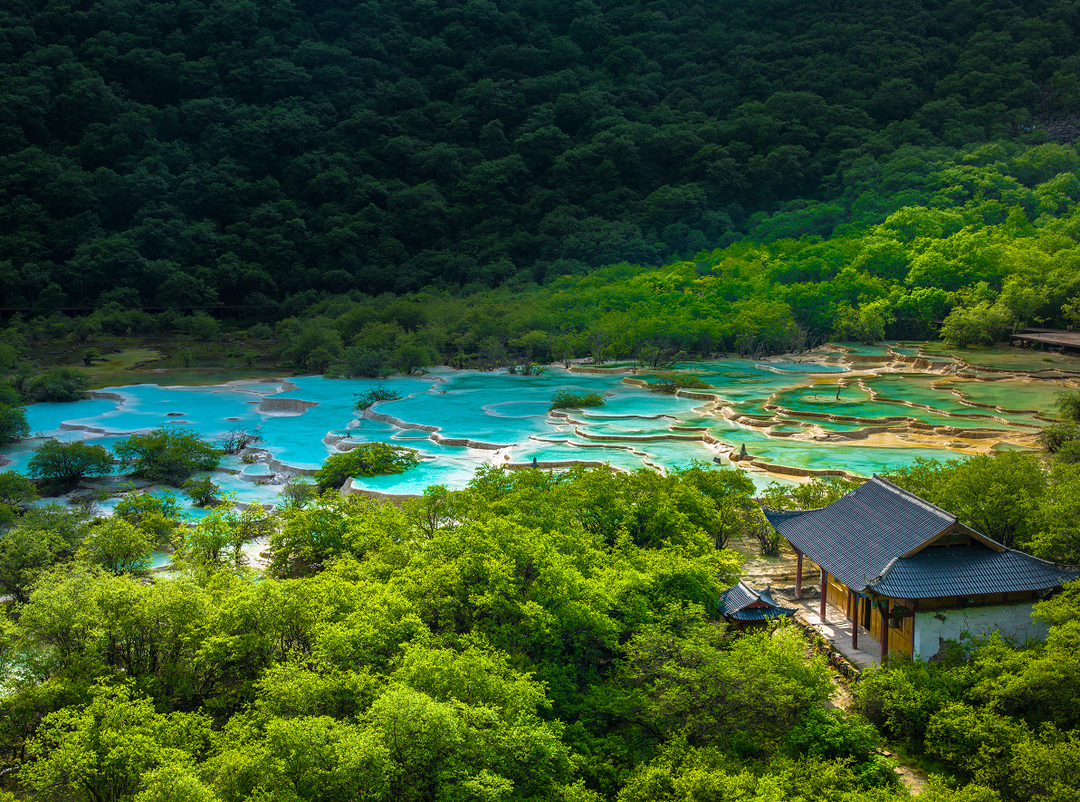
<point x="376" y="394"/>
<point x="669" y="384"/>
<point x="58" y="384"/>
<point x="978" y="742"/>
<point x="368" y="459"/>
<point x="903" y="697"/>
<point x="568" y="399"/>
<point x="835" y="735"/>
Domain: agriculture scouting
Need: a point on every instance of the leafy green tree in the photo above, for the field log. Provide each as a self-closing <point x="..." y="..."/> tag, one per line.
<point x="865" y="324"/>
<point x="818" y="492"/>
<point x="1058" y="539"/>
<point x="310" y="344"/>
<point x="298" y="492"/>
<point x="158" y="514"/>
<point x="102" y="750"/>
<point x="117" y="546"/>
<point x="979" y="325"/>
<point x="367" y="363"/>
<point x="1055" y="437"/>
<point x="68" y="462"/>
<point x="166" y="454"/>
<point x="671" y="384"/>
<point x="201" y="327"/>
<point x="1070" y="310"/>
<point x="684" y="683"/>
<point x="998" y="495"/>
<point x="730" y="491"/>
<point x="410" y="357"/>
<point x="217" y="539"/>
<point x="374" y="395"/>
<point x="43" y="537"/>
<point x="836" y="735"/>
<point x="366" y="459"/>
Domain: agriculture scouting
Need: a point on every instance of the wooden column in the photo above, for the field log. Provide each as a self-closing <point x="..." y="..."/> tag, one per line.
<point x="798" y="574"/>
<point x="824" y="593"/>
<point x="847" y="608"/>
<point x="855" y="623"/>
<point x="885" y="632"/>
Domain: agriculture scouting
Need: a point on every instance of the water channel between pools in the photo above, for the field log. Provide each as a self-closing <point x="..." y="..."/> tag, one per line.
<point x="858" y="410"/>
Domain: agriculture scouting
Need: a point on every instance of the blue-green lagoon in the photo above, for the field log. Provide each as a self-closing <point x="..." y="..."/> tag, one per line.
<point x="785" y="412"/>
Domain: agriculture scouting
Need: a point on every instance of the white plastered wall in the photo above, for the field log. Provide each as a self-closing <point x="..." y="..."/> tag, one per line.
<point x="934" y="627"/>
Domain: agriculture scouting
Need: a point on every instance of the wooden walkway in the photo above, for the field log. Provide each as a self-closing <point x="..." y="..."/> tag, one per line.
<point x="1049" y="338"/>
<point x="837" y="630"/>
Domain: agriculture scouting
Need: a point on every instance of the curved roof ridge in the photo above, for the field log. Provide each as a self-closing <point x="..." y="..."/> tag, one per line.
<point x="884" y="571"/>
<point x="926" y="505"/>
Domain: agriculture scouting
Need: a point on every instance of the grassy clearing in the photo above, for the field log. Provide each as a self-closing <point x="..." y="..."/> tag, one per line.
<point x="165" y="360"/>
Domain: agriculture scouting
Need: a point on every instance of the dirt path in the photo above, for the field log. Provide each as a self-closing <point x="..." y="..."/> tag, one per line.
<point x="841" y="699"/>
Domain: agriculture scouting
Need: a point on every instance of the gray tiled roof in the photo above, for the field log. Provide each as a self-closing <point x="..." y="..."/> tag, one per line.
<point x="968" y="571"/>
<point x="762" y="613"/>
<point x="738" y="596"/>
<point x="857" y="536"/>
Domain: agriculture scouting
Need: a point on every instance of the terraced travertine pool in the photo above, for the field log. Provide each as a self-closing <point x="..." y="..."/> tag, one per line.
<point x="786" y="413"/>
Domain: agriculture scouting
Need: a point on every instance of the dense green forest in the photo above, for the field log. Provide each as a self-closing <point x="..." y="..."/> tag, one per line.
<point x="969" y="243"/>
<point x="536" y="636"/>
<point x="186" y="153"/>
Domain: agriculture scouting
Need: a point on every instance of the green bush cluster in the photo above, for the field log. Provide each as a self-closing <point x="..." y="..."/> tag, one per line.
<point x="572" y="399"/>
<point x="679" y="381"/>
<point x="379" y="392"/>
<point x="366" y="459"/>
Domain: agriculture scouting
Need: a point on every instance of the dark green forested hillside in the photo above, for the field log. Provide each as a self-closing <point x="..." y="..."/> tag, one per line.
<point x="188" y="152"/>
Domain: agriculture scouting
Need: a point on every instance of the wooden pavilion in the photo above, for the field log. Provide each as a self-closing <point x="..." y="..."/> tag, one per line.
<point x="911" y="574"/>
<point x="745" y="608"/>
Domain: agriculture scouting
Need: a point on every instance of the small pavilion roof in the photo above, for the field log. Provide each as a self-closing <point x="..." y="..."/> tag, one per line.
<point x="743" y="603"/>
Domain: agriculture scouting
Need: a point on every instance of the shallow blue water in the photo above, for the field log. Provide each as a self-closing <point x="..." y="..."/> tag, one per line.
<point x="503" y="417"/>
